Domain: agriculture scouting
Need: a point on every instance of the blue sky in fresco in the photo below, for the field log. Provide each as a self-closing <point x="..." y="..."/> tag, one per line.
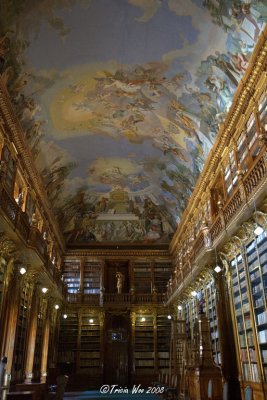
<point x="109" y="31"/>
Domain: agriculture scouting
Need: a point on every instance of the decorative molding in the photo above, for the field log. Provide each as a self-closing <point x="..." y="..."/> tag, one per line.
<point x="255" y="72"/>
<point x="12" y="125"/>
<point x="7" y="246"/>
<point x="117" y="253"/>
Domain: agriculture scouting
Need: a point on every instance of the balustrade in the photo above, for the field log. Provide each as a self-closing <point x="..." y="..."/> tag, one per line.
<point x="31" y="235"/>
<point x="116" y="298"/>
<point x="232" y="206"/>
<point x="255" y="176"/>
<point x="253" y="179"/>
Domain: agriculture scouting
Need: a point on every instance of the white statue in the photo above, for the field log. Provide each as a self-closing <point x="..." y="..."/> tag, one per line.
<point x="120" y="279"/>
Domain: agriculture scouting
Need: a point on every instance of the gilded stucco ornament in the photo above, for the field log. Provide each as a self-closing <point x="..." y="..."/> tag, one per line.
<point x="7" y="246"/>
<point x="246" y="231"/>
<point x="260" y="218"/>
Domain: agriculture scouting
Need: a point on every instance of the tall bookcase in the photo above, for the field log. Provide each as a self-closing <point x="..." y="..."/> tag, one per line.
<point x="162" y="273"/>
<point x="6" y="156"/>
<point x="68" y="339"/>
<point x="243" y="319"/>
<point x="39" y="339"/>
<point x="21" y="335"/>
<point x="91" y="277"/>
<point x="144" y="345"/>
<point x="142" y="276"/>
<point x="249" y="288"/>
<point x="2" y="276"/>
<point x="72" y="275"/>
<point x="90" y="344"/>
<point x="163" y="342"/>
<point x="211" y="312"/>
<point x="205" y="299"/>
<point x="257" y="266"/>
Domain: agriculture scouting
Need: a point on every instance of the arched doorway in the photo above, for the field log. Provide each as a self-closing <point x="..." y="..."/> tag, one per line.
<point x="117" y="350"/>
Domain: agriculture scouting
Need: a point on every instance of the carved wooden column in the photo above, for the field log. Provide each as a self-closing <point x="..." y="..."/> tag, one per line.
<point x="10" y="314"/>
<point x="30" y="348"/>
<point x="45" y="342"/>
<point x="133" y="319"/>
<point x="102" y="344"/>
<point x="155" y="333"/>
<point x="53" y="337"/>
<point x="174" y="324"/>
<point x="80" y="315"/>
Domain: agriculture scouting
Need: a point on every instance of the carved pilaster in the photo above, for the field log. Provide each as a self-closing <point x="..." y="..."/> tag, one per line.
<point x="10" y="315"/>
<point x="30" y="348"/>
<point x="133" y="320"/>
<point x="45" y="342"/>
<point x="101" y="317"/>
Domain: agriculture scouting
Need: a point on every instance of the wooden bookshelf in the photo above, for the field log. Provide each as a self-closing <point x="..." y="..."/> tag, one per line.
<point x="91" y="277"/>
<point x="244" y="320"/>
<point x="68" y="339"/>
<point x="162" y="273"/>
<point x="21" y="335"/>
<point x="142" y="276"/>
<point x="90" y="347"/>
<point x="39" y="340"/>
<point x="163" y="342"/>
<point x="72" y="275"/>
<point x="10" y="172"/>
<point x="144" y="344"/>
<point x="2" y="276"/>
<point x="211" y="312"/>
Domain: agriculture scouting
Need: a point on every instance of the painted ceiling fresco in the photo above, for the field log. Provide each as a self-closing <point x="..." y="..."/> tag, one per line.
<point x="120" y="101"/>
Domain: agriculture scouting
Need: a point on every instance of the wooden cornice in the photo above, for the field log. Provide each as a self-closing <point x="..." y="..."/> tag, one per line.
<point x="245" y="91"/>
<point x="16" y="135"/>
<point x="117" y="253"/>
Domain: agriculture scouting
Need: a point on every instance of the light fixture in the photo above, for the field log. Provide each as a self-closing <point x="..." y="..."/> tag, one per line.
<point x="217" y="269"/>
<point x="91" y="320"/>
<point x="65" y="316"/>
<point x="180" y="308"/>
<point x="44" y="289"/>
<point x="194" y="293"/>
<point x="56" y="306"/>
<point x="258" y="230"/>
<point x="143" y="319"/>
<point x="169" y="316"/>
<point x="22" y="271"/>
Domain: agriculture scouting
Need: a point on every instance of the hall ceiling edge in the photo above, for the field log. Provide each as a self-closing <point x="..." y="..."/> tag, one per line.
<point x="120" y="102"/>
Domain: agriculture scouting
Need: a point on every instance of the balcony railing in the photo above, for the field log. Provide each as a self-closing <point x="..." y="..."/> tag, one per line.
<point x="31" y="236"/>
<point x="115" y="298"/>
<point x="245" y="189"/>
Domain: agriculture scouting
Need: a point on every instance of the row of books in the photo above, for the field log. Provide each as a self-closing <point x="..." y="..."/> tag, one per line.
<point x="92" y="354"/>
<point x="264" y="356"/>
<point x="89" y="363"/>
<point x="250" y="372"/>
<point x="247" y="355"/>
<point x="262" y="335"/>
<point x="262" y="318"/>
